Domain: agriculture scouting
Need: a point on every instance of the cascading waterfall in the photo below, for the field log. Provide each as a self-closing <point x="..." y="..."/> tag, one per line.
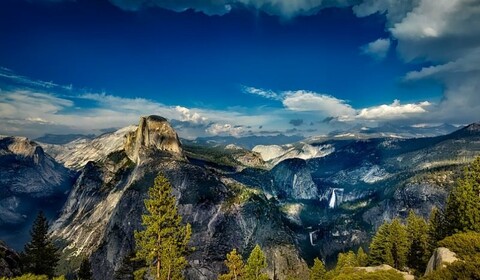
<point x="331" y="203"/>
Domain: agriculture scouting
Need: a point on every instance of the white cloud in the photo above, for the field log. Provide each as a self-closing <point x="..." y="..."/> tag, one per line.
<point x="393" y="111"/>
<point x="262" y="92"/>
<point x="225" y="129"/>
<point x="377" y="49"/>
<point x="188" y="116"/>
<point x="310" y="101"/>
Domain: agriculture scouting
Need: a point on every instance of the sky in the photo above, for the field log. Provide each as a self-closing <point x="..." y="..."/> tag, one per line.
<point x="237" y="67"/>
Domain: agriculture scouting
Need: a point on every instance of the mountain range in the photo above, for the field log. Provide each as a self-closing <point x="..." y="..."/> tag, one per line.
<point x="310" y="198"/>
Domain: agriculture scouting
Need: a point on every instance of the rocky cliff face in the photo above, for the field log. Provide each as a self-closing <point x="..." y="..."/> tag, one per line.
<point x="76" y="154"/>
<point x="153" y="134"/>
<point x="106" y="204"/>
<point x="9" y="262"/>
<point x="29" y="180"/>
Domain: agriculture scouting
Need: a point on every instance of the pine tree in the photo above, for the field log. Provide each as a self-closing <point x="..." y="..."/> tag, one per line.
<point x="163" y="243"/>
<point x="419" y="253"/>
<point x="399" y="244"/>
<point x="381" y="247"/>
<point x="318" y="271"/>
<point x="362" y="257"/>
<point x="40" y="256"/>
<point x="436" y="228"/>
<point x="256" y="263"/>
<point x="85" y="271"/>
<point x="235" y="265"/>
<point x="348" y="259"/>
<point x="462" y="212"/>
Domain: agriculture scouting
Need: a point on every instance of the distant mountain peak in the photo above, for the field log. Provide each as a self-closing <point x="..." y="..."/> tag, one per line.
<point x="21" y="146"/>
<point x="473" y="127"/>
<point x="154" y="133"/>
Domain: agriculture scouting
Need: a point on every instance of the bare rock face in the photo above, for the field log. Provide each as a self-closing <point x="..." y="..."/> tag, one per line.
<point x="440" y="258"/>
<point x="9" y="262"/>
<point x="154" y="134"/>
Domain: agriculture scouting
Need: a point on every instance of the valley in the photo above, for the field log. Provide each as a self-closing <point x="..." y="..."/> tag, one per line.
<point x="312" y="198"/>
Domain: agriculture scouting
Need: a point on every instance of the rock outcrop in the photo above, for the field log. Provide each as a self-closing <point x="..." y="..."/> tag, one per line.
<point x="9" y="262"/>
<point x="406" y="275"/>
<point x="153" y="134"/>
<point x="293" y="179"/>
<point x="440" y="258"/>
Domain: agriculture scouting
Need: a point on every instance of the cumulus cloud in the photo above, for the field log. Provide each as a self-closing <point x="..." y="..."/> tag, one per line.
<point x="188" y="116"/>
<point x="377" y="49"/>
<point x="446" y="34"/>
<point x="333" y="110"/>
<point x="393" y="111"/>
<point x="303" y="101"/>
<point x="225" y="129"/>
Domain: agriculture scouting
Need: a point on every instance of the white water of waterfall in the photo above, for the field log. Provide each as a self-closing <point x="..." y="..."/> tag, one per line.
<point x="333" y="199"/>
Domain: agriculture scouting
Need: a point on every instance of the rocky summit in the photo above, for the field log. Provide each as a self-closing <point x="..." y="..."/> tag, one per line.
<point x="153" y="134"/>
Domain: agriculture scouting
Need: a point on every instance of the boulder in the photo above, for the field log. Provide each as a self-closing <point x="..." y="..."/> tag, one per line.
<point x="440" y="258"/>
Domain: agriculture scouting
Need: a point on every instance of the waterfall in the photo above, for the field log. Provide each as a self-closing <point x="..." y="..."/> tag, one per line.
<point x="311" y="238"/>
<point x="331" y="203"/>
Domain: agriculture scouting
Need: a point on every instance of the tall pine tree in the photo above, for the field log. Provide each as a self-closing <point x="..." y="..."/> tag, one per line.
<point x="40" y="255"/>
<point x="399" y="244"/>
<point x="436" y="228"/>
<point x="256" y="263"/>
<point x="419" y="251"/>
<point x="318" y="271"/>
<point x="235" y="265"/>
<point x="462" y="212"/>
<point x="362" y="257"/>
<point x="390" y="245"/>
<point x="163" y="243"/>
<point x="380" y="247"/>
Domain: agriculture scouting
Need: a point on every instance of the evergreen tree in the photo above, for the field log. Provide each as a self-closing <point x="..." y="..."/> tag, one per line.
<point x="256" y="263"/>
<point x="419" y="253"/>
<point x="40" y="255"/>
<point x="235" y="267"/>
<point x="381" y="247"/>
<point x="362" y="257"/>
<point x="318" y="271"/>
<point x="348" y="259"/>
<point x="436" y="228"/>
<point x="462" y="212"/>
<point x="399" y="244"/>
<point x="390" y="245"/>
<point x="163" y="243"/>
<point x="85" y="271"/>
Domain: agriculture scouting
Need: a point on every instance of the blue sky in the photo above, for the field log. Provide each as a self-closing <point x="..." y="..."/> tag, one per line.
<point x="236" y="67"/>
